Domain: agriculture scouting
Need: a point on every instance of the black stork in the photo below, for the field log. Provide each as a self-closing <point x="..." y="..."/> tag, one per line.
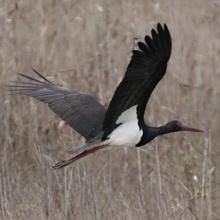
<point x="122" y="124"/>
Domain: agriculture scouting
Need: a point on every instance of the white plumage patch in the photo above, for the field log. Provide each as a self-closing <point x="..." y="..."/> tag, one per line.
<point x="128" y="115"/>
<point x="128" y="133"/>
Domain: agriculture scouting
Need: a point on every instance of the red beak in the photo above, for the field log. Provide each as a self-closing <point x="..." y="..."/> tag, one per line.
<point x="186" y="128"/>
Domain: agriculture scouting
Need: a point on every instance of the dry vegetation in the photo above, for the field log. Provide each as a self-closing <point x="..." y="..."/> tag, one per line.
<point x="86" y="45"/>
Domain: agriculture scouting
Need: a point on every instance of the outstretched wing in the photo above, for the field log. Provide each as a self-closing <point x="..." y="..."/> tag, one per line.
<point x="81" y="111"/>
<point x="145" y="70"/>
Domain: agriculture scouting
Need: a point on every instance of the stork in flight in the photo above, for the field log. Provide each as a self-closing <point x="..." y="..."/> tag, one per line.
<point x="122" y="124"/>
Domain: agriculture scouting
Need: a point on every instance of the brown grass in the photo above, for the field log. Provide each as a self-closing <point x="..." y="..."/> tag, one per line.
<point x="86" y="45"/>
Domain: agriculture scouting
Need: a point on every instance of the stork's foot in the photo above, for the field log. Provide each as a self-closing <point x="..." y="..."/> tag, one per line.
<point x="60" y="164"/>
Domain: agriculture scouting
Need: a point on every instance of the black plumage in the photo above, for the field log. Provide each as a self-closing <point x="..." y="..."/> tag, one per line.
<point x="145" y="70"/>
<point x="123" y="122"/>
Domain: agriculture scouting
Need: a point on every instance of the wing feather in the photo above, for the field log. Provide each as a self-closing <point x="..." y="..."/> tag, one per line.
<point x="145" y="70"/>
<point x="81" y="111"/>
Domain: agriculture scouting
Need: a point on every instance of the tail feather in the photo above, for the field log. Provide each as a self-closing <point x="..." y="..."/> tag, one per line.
<point x="90" y="149"/>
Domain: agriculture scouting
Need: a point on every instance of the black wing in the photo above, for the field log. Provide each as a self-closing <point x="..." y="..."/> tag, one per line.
<point x="145" y="70"/>
<point x="81" y="111"/>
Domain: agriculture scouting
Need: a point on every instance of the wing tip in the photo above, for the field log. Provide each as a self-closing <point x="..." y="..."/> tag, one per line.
<point x="37" y="73"/>
<point x="160" y="40"/>
<point x="40" y="75"/>
<point x="162" y="30"/>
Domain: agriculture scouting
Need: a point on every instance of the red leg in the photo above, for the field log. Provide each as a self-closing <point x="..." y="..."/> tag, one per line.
<point x="64" y="163"/>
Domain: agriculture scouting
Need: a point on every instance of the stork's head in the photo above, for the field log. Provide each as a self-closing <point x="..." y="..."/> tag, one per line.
<point x="176" y="125"/>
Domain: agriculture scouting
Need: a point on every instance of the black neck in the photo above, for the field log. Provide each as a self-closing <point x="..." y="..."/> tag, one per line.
<point x="149" y="133"/>
<point x="165" y="129"/>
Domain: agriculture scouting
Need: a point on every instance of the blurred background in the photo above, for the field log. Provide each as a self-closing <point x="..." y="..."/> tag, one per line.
<point x="86" y="45"/>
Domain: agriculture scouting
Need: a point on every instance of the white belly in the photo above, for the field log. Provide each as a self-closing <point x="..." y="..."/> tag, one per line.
<point x="127" y="134"/>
